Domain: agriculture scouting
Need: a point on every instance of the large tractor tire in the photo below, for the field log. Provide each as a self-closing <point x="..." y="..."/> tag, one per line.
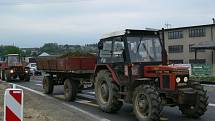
<point x="7" y="77"/>
<point x="70" y="90"/>
<point x="48" y="85"/>
<point x="106" y="92"/>
<point x="27" y="78"/>
<point x="146" y="103"/>
<point x="3" y="76"/>
<point x="200" y="107"/>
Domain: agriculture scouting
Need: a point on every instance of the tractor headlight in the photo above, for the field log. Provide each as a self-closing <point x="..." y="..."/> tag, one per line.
<point x="26" y="71"/>
<point x="11" y="71"/>
<point x="178" y="79"/>
<point x="185" y="79"/>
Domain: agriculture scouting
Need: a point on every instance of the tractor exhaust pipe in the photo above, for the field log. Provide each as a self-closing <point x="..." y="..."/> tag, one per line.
<point x="164" y="53"/>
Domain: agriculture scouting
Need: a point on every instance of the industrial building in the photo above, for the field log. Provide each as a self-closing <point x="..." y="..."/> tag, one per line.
<point x="191" y="44"/>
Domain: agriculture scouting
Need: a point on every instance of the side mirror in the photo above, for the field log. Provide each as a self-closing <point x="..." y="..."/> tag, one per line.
<point x="100" y="45"/>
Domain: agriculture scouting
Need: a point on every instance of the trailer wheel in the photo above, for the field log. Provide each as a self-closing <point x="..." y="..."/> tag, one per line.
<point x="70" y="90"/>
<point x="106" y="92"/>
<point x="146" y="103"/>
<point x="48" y="85"/>
<point x="197" y="110"/>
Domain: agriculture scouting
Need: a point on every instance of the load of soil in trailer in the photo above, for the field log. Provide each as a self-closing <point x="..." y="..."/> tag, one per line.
<point x="70" y="62"/>
<point x="78" y="54"/>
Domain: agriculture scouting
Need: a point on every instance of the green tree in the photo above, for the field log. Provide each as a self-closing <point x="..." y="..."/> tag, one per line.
<point x="4" y="50"/>
<point x="51" y="48"/>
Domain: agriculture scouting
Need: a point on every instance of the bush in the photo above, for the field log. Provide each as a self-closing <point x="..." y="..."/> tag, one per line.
<point x="203" y="79"/>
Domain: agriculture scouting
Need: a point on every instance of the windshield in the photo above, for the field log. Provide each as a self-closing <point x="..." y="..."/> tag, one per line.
<point x="13" y="60"/>
<point x="33" y="65"/>
<point x="144" y="49"/>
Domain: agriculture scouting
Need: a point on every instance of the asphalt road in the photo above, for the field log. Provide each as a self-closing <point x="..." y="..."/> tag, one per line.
<point x="86" y="101"/>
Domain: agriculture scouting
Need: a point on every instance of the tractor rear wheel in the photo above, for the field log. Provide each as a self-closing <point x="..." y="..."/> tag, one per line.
<point x="200" y="106"/>
<point x="48" y="85"/>
<point x="106" y="92"/>
<point x="70" y="90"/>
<point x="146" y="103"/>
<point x="27" y="78"/>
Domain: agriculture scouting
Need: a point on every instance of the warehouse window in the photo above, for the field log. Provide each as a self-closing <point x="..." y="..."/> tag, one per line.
<point x="199" y="32"/>
<point x="197" y="61"/>
<point x="175" y="49"/>
<point x="176" y="61"/>
<point x="175" y="35"/>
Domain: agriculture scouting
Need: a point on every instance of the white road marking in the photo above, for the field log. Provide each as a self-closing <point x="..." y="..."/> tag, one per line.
<point x="36" y="81"/>
<point x="91" y="93"/>
<point x="39" y="85"/>
<point x="82" y="101"/>
<point x="66" y="104"/>
<point x="208" y="85"/>
<point x="87" y="96"/>
<point x="211" y="104"/>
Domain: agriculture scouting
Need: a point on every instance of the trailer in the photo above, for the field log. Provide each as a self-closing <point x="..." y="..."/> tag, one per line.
<point x="71" y="71"/>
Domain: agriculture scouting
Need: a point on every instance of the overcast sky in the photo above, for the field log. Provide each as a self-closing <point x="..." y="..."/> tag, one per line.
<point x="31" y="23"/>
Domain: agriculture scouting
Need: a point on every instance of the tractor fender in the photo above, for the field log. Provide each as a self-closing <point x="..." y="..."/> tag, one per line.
<point x="109" y="68"/>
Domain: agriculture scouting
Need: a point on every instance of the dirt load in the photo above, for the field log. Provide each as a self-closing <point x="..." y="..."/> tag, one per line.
<point x="78" y="54"/>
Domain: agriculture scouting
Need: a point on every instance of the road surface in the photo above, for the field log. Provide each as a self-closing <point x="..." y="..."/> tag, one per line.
<point x="86" y="102"/>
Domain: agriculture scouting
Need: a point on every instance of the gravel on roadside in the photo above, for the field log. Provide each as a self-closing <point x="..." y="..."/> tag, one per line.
<point x="39" y="108"/>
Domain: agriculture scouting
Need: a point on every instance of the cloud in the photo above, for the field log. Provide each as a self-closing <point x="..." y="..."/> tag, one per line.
<point x="37" y="22"/>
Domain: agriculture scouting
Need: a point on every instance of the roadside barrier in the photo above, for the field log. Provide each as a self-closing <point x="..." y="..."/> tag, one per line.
<point x="13" y="104"/>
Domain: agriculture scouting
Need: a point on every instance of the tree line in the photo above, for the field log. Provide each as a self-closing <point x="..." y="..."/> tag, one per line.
<point x="50" y="48"/>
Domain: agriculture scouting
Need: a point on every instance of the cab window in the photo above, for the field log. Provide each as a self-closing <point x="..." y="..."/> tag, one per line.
<point x="118" y="48"/>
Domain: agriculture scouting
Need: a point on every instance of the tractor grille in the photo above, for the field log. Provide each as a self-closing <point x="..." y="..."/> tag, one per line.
<point x="182" y="84"/>
<point x="166" y="80"/>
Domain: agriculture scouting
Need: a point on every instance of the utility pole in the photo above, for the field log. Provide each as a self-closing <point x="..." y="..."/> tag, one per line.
<point x="167" y="25"/>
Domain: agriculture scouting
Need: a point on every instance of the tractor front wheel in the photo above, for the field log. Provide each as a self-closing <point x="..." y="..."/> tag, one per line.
<point x="27" y="78"/>
<point x="200" y="106"/>
<point x="146" y="103"/>
<point x="3" y="75"/>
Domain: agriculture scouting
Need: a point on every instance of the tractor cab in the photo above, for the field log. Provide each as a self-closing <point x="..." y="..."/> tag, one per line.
<point x="130" y="46"/>
<point x="129" y="52"/>
<point x="13" y="60"/>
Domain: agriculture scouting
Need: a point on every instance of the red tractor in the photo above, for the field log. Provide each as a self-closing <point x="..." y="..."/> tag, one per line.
<point x="132" y="68"/>
<point x="13" y="67"/>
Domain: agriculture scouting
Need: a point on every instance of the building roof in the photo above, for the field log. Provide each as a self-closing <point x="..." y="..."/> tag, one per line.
<point x="204" y="45"/>
<point x="44" y="54"/>
<point x="116" y="33"/>
<point x="130" y="31"/>
<point x="187" y="27"/>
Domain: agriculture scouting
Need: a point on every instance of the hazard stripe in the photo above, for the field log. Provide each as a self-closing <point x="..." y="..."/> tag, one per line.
<point x="15" y="106"/>
<point x="17" y="94"/>
<point x="11" y="116"/>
